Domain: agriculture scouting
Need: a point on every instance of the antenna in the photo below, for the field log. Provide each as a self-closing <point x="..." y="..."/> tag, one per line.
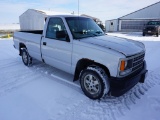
<point x="78" y="7"/>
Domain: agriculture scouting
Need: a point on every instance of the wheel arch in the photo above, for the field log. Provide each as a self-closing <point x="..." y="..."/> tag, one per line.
<point x="21" y="45"/>
<point x="84" y="63"/>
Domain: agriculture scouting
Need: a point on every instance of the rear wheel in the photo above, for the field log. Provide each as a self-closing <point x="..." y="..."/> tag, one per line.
<point x="27" y="60"/>
<point x="143" y="34"/>
<point x="94" y="82"/>
<point x="157" y="34"/>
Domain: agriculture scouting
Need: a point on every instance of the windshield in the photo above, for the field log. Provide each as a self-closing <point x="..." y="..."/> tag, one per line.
<point x="154" y="23"/>
<point x="83" y="27"/>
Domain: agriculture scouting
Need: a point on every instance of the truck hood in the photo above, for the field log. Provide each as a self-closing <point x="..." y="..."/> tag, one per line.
<point x="121" y="45"/>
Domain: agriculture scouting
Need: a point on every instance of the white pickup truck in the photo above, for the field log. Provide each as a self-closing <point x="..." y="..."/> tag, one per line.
<point x="103" y="64"/>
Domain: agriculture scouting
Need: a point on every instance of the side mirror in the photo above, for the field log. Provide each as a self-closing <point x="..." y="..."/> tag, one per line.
<point x="61" y="34"/>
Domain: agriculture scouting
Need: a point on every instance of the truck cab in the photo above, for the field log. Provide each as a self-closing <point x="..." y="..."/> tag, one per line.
<point x="104" y="65"/>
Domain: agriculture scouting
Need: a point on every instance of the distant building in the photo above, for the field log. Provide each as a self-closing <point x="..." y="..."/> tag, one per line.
<point x="97" y="20"/>
<point x="33" y="19"/>
<point x="134" y="21"/>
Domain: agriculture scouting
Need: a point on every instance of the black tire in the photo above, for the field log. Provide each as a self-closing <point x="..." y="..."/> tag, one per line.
<point x="143" y="34"/>
<point x="94" y="82"/>
<point x="157" y="34"/>
<point x="27" y="60"/>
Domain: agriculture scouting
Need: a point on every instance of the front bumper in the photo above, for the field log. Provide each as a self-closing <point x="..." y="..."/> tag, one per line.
<point x="119" y="86"/>
<point x="150" y="32"/>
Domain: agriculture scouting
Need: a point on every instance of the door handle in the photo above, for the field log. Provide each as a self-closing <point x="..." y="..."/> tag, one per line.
<point x="44" y="43"/>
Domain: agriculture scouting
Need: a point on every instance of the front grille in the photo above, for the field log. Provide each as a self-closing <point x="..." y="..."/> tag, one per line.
<point x="150" y="28"/>
<point x="138" y="62"/>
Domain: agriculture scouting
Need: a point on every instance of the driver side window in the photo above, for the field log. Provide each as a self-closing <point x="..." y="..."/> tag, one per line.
<point x="55" y="25"/>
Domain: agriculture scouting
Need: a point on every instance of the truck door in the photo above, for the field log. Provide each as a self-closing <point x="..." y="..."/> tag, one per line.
<point x="56" y="51"/>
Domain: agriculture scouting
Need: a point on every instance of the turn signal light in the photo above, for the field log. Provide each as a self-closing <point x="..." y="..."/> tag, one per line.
<point x="122" y="66"/>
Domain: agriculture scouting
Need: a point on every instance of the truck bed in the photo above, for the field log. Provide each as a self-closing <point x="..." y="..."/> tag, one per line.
<point x="32" y="40"/>
<point x="29" y="36"/>
<point x="33" y="31"/>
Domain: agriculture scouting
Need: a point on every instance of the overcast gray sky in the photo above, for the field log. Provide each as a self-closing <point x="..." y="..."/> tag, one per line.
<point x="10" y="10"/>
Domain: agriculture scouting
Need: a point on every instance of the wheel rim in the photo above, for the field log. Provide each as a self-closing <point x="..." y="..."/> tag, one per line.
<point x="24" y="56"/>
<point x="92" y="84"/>
<point x="157" y="34"/>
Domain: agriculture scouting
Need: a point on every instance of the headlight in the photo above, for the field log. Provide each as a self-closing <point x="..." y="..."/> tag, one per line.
<point x="155" y="27"/>
<point x="125" y="67"/>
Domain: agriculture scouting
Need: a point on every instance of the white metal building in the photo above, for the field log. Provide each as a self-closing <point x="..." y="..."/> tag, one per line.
<point x="35" y="19"/>
<point x="111" y="25"/>
<point x="134" y="21"/>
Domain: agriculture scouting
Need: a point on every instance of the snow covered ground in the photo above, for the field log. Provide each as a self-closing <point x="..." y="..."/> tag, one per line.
<point x="41" y="92"/>
<point x="9" y="27"/>
<point x="1" y="34"/>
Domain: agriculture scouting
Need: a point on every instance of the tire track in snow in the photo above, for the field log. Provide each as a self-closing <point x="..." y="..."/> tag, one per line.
<point x="12" y="79"/>
<point x="6" y="64"/>
<point x="13" y="76"/>
<point x="15" y="84"/>
<point x="109" y="108"/>
<point x="56" y="75"/>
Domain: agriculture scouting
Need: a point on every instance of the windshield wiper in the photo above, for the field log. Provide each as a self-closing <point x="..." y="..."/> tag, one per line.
<point x="80" y="32"/>
<point x="85" y="33"/>
<point x="99" y="32"/>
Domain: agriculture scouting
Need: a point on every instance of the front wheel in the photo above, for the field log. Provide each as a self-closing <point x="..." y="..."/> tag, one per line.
<point x="157" y="34"/>
<point x="143" y="34"/>
<point x="27" y="60"/>
<point x="94" y="82"/>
